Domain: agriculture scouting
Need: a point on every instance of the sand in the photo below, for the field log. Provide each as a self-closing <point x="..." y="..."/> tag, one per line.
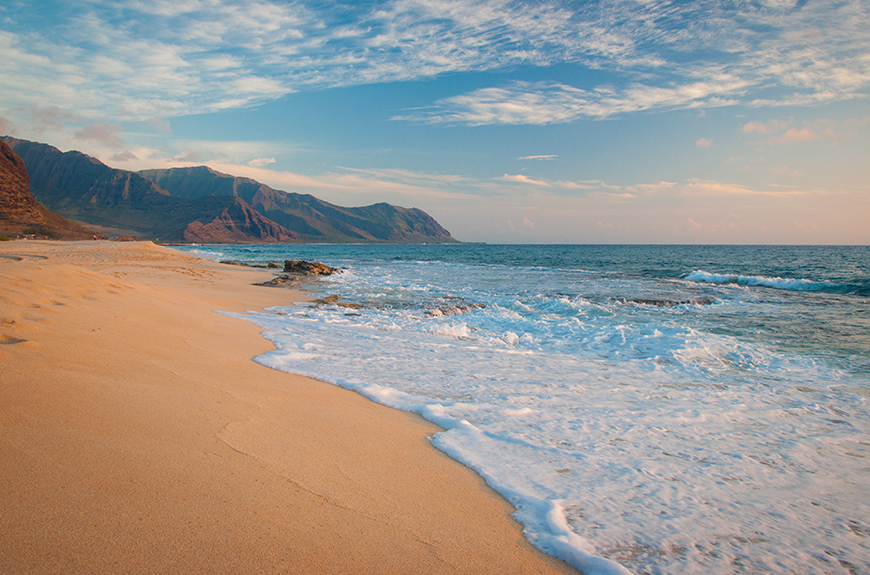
<point x="138" y="436"/>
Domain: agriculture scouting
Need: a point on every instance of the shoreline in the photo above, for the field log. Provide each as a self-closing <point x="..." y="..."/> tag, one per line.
<point x="176" y="452"/>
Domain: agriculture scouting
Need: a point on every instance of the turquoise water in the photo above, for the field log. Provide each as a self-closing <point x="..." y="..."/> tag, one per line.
<point x="660" y="409"/>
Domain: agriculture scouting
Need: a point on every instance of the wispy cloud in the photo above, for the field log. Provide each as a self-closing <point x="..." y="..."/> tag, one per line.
<point x="105" y="134"/>
<point x="521" y="179"/>
<point x="543" y="157"/>
<point x="781" y="133"/>
<point x="192" y="156"/>
<point x="140" y="59"/>
<point x="408" y="176"/>
<point x="555" y="103"/>
<point x="7" y="126"/>
<point x="756" y="127"/>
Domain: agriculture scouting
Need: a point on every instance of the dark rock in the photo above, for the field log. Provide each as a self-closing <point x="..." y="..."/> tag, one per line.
<point x="334" y="300"/>
<point x="455" y="310"/>
<point x="703" y="300"/>
<point x="282" y="282"/>
<point x="268" y="266"/>
<point x="302" y="267"/>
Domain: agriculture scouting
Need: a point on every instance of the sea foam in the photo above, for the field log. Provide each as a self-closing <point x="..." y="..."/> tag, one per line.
<point x="678" y="438"/>
<point x="775" y="282"/>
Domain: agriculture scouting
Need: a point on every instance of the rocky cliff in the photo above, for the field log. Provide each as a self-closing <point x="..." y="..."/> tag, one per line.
<point x="81" y="187"/>
<point x="20" y="213"/>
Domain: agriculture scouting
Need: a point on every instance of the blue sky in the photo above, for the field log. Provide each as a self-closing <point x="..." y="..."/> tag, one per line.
<point x="627" y="121"/>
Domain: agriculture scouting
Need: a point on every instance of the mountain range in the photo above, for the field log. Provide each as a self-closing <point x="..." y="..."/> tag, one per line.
<point x="201" y="205"/>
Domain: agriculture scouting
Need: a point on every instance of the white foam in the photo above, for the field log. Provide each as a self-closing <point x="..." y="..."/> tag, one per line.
<point x="774" y="282"/>
<point x="207" y="254"/>
<point x="623" y="434"/>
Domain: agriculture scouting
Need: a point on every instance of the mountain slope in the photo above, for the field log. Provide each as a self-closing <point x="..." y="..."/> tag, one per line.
<point x="201" y="205"/>
<point x="81" y="187"/>
<point x="19" y="210"/>
<point x="311" y="218"/>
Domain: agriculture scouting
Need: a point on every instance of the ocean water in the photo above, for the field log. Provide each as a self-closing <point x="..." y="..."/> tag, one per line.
<point x="647" y="409"/>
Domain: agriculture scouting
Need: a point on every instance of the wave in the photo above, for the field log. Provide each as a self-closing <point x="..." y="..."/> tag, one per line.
<point x="789" y="284"/>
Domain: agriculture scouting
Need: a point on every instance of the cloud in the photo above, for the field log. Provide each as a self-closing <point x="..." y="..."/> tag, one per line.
<point x="648" y="189"/>
<point x="124" y="156"/>
<point x="703" y="143"/>
<point x="190" y="156"/>
<point x="260" y="162"/>
<point x="159" y="125"/>
<point x="521" y="179"/>
<point x="49" y="117"/>
<point x="794" y="135"/>
<point x="555" y="103"/>
<point x="785" y="171"/>
<point x="544" y="157"/>
<point x="712" y="188"/>
<point x="106" y="134"/>
<point x="7" y="128"/>
<point x="410" y="177"/>
<point x="161" y="59"/>
<point x="557" y="185"/>
<point x="782" y="133"/>
<point x="770" y="127"/>
<point x="528" y="223"/>
<point x="573" y="185"/>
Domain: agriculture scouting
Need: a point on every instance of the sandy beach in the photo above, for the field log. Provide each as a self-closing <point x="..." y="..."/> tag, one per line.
<point x="138" y="436"/>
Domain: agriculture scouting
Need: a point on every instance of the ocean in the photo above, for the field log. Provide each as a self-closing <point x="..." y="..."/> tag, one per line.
<point x="646" y="409"/>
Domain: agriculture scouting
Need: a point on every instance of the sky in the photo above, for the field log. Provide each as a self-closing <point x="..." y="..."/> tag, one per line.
<point x="617" y="121"/>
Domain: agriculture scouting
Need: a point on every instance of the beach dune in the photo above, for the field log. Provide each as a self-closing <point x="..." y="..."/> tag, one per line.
<point x="138" y="436"/>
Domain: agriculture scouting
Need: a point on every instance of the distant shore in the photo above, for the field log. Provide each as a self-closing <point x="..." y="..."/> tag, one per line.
<point x="137" y="435"/>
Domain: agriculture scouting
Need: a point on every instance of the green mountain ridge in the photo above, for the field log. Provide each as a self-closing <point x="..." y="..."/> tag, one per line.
<point x="205" y="206"/>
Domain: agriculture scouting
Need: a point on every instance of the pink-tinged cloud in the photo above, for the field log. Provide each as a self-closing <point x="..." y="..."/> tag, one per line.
<point x="529" y="223"/>
<point x="770" y="127"/>
<point x="7" y="128"/>
<point x="521" y="179"/>
<point x="703" y="142"/>
<point x="574" y="185"/>
<point x="786" y="171"/>
<point x="106" y="134"/>
<point x="51" y="117"/>
<point x="794" y="135"/>
<point x="755" y="128"/>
